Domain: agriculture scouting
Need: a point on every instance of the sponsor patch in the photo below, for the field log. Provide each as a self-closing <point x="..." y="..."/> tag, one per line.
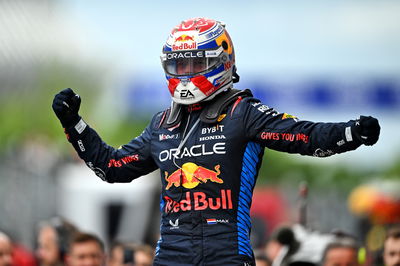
<point x="81" y="147"/>
<point x="349" y="136"/>
<point x="186" y="94"/>
<point x="286" y="116"/>
<point x="99" y="172"/>
<point x="123" y="161"/>
<point x="212" y="137"/>
<point x="211" y="221"/>
<point x="217" y="221"/>
<point x="185" y="41"/>
<point x="191" y="175"/>
<point x="340" y="142"/>
<point x="174" y="225"/>
<point x="80" y="127"/>
<point x="265" y="109"/>
<point x="321" y="153"/>
<point x="200" y="201"/>
<point x="166" y="136"/>
<point x="284" y="136"/>
<point x="213" y="129"/>
<point x="193" y="151"/>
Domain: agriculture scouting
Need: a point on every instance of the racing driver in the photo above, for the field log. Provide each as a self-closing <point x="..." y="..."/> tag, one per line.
<point x="208" y="145"/>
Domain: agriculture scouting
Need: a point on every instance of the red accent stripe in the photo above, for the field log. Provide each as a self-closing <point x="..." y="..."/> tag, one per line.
<point x="203" y="84"/>
<point x="162" y="119"/>
<point x="238" y="100"/>
<point x="66" y="134"/>
<point x="172" y="84"/>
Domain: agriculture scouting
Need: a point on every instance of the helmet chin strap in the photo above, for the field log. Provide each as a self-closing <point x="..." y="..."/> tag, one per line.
<point x="174" y="115"/>
<point x="235" y="75"/>
<point x="221" y="90"/>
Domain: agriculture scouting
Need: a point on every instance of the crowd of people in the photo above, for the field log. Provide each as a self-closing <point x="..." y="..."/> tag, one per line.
<point x="335" y="249"/>
<point x="59" y="242"/>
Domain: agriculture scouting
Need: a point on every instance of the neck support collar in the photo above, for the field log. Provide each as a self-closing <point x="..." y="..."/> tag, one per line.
<point x="211" y="111"/>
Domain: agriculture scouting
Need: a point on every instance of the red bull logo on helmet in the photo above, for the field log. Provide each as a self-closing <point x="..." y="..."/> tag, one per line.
<point x="191" y="175"/>
<point x="184" y="46"/>
<point x="185" y="41"/>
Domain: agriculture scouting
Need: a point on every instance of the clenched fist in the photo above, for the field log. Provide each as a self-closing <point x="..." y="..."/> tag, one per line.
<point x="367" y="129"/>
<point x="66" y="105"/>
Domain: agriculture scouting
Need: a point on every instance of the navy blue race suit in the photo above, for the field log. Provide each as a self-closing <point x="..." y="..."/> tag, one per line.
<point x="207" y="184"/>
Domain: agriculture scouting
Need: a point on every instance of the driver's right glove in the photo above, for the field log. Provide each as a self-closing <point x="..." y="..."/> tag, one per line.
<point x="66" y="105"/>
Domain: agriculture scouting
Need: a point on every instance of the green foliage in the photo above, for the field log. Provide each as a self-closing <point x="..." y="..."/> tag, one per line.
<point x="25" y="108"/>
<point x="393" y="172"/>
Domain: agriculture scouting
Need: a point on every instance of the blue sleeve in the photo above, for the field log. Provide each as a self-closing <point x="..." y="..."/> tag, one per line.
<point x="113" y="165"/>
<point x="284" y="132"/>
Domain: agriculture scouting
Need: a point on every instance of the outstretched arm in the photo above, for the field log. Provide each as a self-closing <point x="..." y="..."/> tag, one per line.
<point x="283" y="132"/>
<point x="112" y="165"/>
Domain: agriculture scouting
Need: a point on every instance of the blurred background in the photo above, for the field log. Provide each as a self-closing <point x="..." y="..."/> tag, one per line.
<point x="320" y="61"/>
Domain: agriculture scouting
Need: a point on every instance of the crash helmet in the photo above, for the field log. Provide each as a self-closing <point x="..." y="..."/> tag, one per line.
<point x="199" y="60"/>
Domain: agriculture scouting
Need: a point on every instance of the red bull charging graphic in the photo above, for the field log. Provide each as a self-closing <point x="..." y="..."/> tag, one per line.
<point x="184" y="38"/>
<point x="190" y="175"/>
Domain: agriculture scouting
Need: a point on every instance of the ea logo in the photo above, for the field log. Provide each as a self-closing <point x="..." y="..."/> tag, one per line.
<point x="186" y="94"/>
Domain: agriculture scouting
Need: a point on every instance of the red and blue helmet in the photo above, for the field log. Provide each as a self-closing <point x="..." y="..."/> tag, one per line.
<point x="198" y="60"/>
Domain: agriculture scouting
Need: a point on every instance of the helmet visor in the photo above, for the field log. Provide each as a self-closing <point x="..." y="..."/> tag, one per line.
<point x="188" y="63"/>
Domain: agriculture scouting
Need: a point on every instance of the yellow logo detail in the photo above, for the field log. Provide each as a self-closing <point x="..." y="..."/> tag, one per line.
<point x="221" y="117"/>
<point x="285" y="115"/>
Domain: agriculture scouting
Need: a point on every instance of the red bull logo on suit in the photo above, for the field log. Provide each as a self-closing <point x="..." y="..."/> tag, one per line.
<point x="190" y="175"/>
<point x="199" y="201"/>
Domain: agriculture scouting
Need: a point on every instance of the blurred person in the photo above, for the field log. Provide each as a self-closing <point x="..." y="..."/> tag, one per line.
<point x="53" y="240"/>
<point x="391" y="247"/>
<point x="272" y="249"/>
<point x="208" y="145"/>
<point x="116" y="254"/>
<point x="143" y="255"/>
<point x="261" y="259"/>
<point x="341" y="252"/>
<point x="86" y="250"/>
<point x="126" y="254"/>
<point x="5" y="250"/>
<point x="281" y="245"/>
<point x="14" y="253"/>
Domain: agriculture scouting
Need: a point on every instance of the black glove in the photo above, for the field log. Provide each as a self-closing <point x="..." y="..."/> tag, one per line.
<point x="66" y="106"/>
<point x="366" y="130"/>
